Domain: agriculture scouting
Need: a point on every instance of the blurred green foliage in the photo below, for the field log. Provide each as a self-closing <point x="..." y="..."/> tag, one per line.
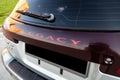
<point x="6" y="6"/>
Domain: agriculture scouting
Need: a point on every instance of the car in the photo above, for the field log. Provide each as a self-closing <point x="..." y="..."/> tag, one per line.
<point x="63" y="40"/>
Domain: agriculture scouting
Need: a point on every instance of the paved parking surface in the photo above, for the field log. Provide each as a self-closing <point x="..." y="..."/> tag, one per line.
<point x="3" y="73"/>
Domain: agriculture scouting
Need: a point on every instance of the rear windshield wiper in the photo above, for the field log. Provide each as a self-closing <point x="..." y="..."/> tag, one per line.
<point x="45" y="16"/>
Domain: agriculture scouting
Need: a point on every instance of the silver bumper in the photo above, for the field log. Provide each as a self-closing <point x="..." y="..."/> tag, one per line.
<point x="12" y="67"/>
<point x="19" y="71"/>
<point x="6" y="59"/>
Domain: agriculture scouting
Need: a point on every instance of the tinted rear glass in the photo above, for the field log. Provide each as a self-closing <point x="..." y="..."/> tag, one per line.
<point x="78" y="14"/>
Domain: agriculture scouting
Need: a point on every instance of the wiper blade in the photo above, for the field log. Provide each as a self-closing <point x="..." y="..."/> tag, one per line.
<point x="46" y="17"/>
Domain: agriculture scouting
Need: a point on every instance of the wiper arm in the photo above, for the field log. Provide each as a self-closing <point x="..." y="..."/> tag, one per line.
<point x="46" y="17"/>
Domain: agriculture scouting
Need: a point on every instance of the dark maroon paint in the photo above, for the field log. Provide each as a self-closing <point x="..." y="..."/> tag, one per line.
<point x="88" y="46"/>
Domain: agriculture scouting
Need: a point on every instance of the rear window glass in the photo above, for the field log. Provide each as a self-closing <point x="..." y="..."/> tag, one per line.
<point x="78" y="14"/>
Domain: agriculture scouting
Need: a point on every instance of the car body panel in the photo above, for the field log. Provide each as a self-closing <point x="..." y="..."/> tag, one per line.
<point x="99" y="47"/>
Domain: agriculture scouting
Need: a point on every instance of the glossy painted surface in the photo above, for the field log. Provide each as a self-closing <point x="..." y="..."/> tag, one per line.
<point x="95" y="45"/>
<point x="76" y="39"/>
<point x="90" y="46"/>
